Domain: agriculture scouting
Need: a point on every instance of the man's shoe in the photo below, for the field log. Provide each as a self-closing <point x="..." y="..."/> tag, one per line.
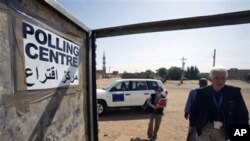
<point x="154" y="136"/>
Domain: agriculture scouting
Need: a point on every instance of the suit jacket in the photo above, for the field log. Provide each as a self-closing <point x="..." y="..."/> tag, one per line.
<point x="233" y="108"/>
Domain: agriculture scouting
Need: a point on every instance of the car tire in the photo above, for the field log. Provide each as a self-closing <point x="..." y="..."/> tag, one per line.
<point x="101" y="107"/>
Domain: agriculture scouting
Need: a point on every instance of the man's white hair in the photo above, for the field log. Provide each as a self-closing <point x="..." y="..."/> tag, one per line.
<point x="217" y="69"/>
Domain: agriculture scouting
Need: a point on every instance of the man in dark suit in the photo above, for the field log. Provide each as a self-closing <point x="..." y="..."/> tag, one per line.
<point x="216" y="107"/>
<point x="202" y="83"/>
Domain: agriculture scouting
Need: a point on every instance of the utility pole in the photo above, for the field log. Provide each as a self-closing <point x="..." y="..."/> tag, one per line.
<point x="214" y="57"/>
<point x="183" y="67"/>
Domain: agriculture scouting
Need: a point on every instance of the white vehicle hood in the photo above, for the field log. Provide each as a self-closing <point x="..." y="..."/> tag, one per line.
<point x="100" y="92"/>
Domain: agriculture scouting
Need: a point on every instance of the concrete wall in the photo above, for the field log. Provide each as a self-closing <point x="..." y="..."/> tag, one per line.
<point x="61" y="113"/>
<point x="5" y="67"/>
<point x="238" y="74"/>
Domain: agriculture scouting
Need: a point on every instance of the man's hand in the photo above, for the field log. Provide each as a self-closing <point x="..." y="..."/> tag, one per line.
<point x="158" y="106"/>
<point x="153" y="106"/>
<point x="186" y="115"/>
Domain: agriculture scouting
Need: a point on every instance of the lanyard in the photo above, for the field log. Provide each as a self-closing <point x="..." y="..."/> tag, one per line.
<point x="218" y="105"/>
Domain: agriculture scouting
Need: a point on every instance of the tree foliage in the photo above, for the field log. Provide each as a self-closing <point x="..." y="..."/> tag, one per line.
<point x="192" y="73"/>
<point x="174" y="73"/>
<point x="163" y="73"/>
<point x="150" y="74"/>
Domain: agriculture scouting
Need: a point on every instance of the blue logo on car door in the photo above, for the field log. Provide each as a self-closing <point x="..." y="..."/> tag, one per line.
<point x="118" y="97"/>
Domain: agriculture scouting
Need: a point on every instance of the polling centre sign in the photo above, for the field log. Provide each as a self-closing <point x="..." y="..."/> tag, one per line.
<point x="50" y="60"/>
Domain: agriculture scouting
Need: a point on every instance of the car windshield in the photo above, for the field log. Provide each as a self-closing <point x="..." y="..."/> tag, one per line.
<point x="108" y="86"/>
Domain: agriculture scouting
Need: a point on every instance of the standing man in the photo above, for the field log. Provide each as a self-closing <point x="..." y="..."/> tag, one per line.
<point x="192" y="93"/>
<point x="202" y="83"/>
<point x="156" y="114"/>
<point x="216" y="107"/>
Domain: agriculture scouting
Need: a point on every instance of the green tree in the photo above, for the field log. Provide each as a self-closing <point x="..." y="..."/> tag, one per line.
<point x="150" y="74"/>
<point x="197" y="73"/>
<point x="174" y="73"/>
<point x="163" y="73"/>
<point x="192" y="73"/>
<point x="187" y="73"/>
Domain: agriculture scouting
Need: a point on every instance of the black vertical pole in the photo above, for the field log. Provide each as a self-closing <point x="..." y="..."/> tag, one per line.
<point x="91" y="96"/>
<point x="214" y="57"/>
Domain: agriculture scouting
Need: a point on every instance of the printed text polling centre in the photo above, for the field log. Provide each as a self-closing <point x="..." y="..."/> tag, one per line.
<point x="49" y="47"/>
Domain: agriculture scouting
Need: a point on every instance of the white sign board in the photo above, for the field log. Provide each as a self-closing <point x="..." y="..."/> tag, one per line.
<point x="50" y="60"/>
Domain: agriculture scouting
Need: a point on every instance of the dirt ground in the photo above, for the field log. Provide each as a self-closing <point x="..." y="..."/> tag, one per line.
<point x="131" y="124"/>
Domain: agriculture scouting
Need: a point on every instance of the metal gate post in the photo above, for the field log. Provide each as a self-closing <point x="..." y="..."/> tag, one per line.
<point x="91" y="100"/>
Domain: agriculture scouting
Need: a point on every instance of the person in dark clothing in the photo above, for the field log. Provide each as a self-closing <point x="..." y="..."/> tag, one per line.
<point x="202" y="83"/>
<point x="191" y="96"/>
<point x="216" y="107"/>
<point x="156" y="114"/>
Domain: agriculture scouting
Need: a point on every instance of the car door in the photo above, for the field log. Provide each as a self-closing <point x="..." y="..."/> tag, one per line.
<point x="118" y="94"/>
<point x="139" y="93"/>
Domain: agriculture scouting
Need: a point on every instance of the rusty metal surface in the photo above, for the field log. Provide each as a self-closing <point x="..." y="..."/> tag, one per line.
<point x="176" y="24"/>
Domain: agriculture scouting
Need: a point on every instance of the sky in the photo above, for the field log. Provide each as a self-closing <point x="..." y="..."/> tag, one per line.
<point x="151" y="51"/>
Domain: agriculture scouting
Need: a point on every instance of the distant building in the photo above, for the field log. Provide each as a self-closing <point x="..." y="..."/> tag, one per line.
<point x="115" y="73"/>
<point x="102" y="73"/>
<point x="99" y="74"/>
<point x="134" y="75"/>
<point x="234" y="73"/>
<point x="204" y="75"/>
<point x="238" y="74"/>
<point x="112" y="75"/>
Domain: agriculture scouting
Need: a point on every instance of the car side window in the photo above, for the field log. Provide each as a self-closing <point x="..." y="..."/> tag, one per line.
<point x="121" y="86"/>
<point x="152" y="85"/>
<point x="139" y="85"/>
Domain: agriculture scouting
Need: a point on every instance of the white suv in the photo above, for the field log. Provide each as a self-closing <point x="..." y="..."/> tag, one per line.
<point x="126" y="93"/>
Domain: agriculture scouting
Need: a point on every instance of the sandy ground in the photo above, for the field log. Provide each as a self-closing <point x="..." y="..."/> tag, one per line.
<point x="131" y="124"/>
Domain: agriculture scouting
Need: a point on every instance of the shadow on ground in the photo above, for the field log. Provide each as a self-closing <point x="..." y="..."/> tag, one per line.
<point x="139" y="139"/>
<point x="124" y="114"/>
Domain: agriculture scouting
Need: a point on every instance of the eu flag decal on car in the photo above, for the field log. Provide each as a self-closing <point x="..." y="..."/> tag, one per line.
<point x="118" y="97"/>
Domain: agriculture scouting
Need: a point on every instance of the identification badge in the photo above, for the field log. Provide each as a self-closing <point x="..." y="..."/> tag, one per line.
<point x="217" y="124"/>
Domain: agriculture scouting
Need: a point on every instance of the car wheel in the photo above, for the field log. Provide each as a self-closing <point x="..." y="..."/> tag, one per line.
<point x="101" y="107"/>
